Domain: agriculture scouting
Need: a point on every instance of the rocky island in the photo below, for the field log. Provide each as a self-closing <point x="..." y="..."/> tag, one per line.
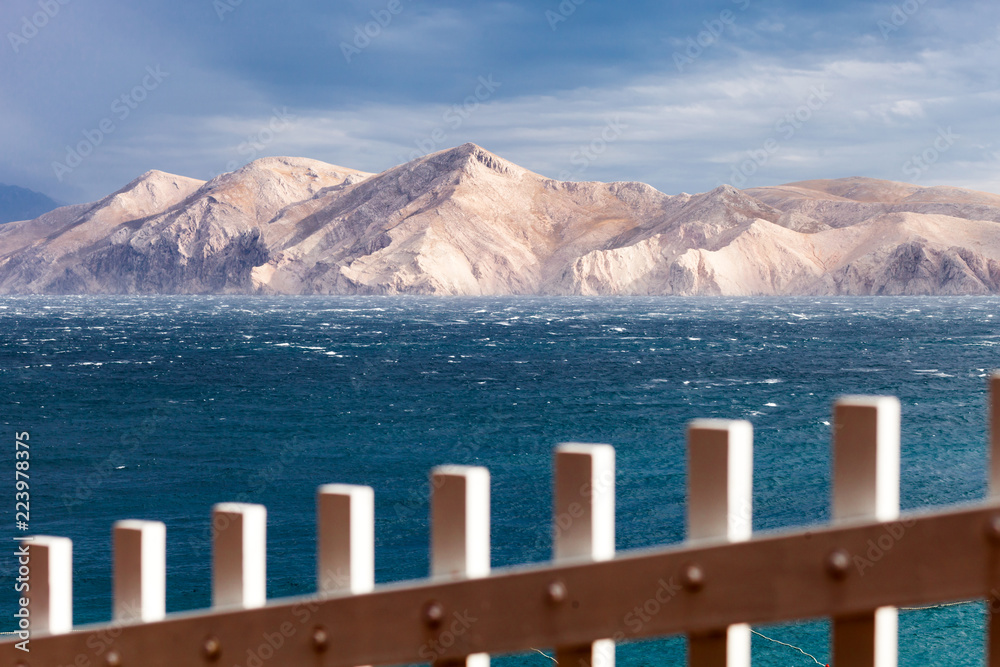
<point x="467" y="222"/>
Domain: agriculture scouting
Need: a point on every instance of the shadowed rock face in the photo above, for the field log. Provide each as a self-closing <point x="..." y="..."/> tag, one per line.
<point x="18" y="203"/>
<point x="465" y="221"/>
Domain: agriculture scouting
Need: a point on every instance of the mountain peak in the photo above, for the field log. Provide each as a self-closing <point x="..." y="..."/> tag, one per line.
<point x="151" y="192"/>
<point x="281" y="167"/>
<point x="17" y="203"/>
<point x="155" y="178"/>
<point x="726" y="190"/>
<point x="472" y="155"/>
<point x="284" y="164"/>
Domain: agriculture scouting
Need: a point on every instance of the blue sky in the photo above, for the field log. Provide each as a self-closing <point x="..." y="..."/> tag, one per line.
<point x="683" y="96"/>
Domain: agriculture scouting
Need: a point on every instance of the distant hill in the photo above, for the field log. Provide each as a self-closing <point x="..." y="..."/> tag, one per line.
<point x="22" y="204"/>
<point x="467" y="222"/>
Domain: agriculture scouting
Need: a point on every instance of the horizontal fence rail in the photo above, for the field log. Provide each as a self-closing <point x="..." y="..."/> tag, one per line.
<point x="856" y="571"/>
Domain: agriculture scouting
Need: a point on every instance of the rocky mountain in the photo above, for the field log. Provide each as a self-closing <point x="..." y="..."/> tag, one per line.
<point x="18" y="203"/>
<point x="465" y="222"/>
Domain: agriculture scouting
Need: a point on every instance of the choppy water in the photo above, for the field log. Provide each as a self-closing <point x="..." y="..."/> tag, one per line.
<point x="158" y="407"/>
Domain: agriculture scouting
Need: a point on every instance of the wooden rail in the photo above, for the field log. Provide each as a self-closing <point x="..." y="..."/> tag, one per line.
<point x="856" y="571"/>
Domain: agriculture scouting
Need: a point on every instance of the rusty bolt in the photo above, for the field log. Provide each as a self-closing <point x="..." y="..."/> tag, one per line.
<point x="556" y="592"/>
<point x="993" y="529"/>
<point x="212" y="649"/>
<point x="433" y="614"/>
<point x="693" y="578"/>
<point x="320" y="639"/>
<point x="838" y="563"/>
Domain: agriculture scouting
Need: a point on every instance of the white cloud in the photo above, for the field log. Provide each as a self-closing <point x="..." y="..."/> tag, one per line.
<point x="681" y="132"/>
<point x="765" y="25"/>
<point x="898" y="112"/>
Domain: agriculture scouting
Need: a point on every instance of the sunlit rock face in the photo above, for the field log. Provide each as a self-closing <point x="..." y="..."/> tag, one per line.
<point x="467" y="222"/>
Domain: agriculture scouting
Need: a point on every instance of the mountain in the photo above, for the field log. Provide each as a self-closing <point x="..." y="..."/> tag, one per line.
<point x="465" y="222"/>
<point x="22" y="204"/>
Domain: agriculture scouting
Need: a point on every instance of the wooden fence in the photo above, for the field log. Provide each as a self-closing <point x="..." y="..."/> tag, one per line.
<point x="856" y="571"/>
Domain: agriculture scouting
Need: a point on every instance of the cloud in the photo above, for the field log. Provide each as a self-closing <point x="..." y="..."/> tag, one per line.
<point x="414" y="89"/>
<point x="901" y="110"/>
<point x="766" y="25"/>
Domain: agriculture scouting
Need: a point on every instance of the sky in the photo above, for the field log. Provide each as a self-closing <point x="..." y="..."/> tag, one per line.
<point x="684" y="96"/>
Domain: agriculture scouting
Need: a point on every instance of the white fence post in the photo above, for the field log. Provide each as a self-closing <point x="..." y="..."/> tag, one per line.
<point x="345" y="559"/>
<point x="239" y="555"/>
<point x="866" y="488"/>
<point x="720" y="497"/>
<point x="460" y="532"/>
<point x="584" y="527"/>
<point x="140" y="570"/>
<point x="993" y="600"/>
<point x="994" y="428"/>
<point x="50" y="596"/>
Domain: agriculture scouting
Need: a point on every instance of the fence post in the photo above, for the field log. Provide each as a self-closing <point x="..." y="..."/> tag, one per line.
<point x="239" y="555"/>
<point x="584" y="527"/>
<point x="345" y="559"/>
<point x="140" y="567"/>
<point x="994" y="426"/>
<point x="866" y="487"/>
<point x="720" y="497"/>
<point x="50" y="596"/>
<point x="993" y="600"/>
<point x="460" y="532"/>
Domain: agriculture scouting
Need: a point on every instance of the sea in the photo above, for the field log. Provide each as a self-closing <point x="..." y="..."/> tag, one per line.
<point x="159" y="407"/>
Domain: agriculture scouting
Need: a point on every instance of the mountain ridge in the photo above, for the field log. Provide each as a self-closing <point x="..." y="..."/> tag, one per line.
<point x="17" y="203"/>
<point x="464" y="221"/>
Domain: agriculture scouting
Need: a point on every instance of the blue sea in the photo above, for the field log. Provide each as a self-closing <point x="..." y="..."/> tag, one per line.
<point x="159" y="407"/>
